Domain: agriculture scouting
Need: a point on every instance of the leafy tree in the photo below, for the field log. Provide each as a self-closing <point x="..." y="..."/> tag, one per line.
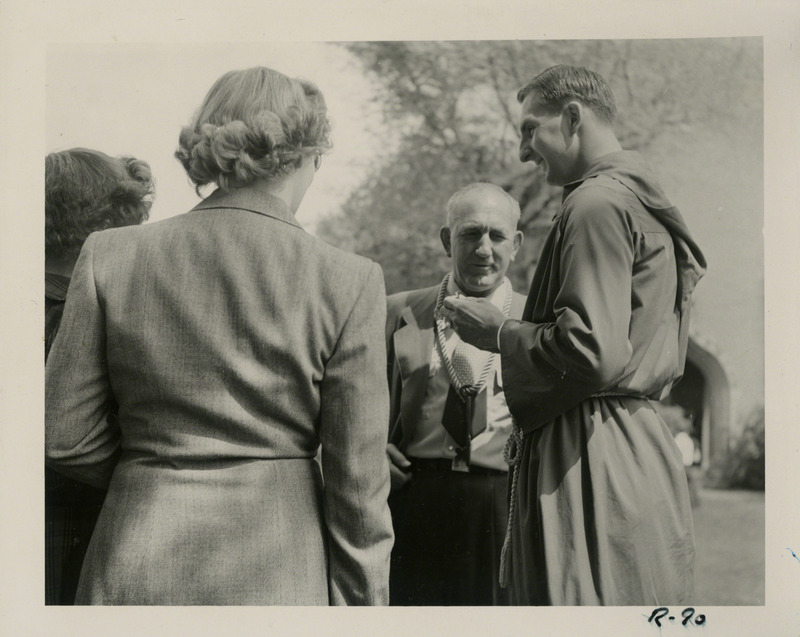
<point x="454" y="107"/>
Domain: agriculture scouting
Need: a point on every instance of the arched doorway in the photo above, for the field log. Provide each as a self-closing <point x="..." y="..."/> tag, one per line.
<point x="704" y="393"/>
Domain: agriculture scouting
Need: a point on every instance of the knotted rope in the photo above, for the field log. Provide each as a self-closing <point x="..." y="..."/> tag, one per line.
<point x="512" y="454"/>
<point x="458" y="378"/>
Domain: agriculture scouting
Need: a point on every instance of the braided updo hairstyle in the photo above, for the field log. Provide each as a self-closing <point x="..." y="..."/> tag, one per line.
<point x="253" y="124"/>
<point x="85" y="191"/>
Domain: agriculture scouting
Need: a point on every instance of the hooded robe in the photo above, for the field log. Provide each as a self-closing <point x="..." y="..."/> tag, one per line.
<point x="601" y="504"/>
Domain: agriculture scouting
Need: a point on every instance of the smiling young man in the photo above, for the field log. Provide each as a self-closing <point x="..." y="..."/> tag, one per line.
<point x="600" y="510"/>
<point x="449" y="419"/>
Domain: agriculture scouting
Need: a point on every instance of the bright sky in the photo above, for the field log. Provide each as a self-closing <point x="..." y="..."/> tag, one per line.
<point x="134" y="99"/>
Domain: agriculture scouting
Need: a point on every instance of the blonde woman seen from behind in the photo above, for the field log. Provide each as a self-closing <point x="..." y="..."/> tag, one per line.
<point x="234" y="346"/>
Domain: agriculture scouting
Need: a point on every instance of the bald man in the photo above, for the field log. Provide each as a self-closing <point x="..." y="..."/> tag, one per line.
<point x="449" y="421"/>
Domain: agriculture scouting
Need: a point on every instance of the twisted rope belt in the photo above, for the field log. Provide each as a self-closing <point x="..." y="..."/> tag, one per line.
<point x="512" y="454"/>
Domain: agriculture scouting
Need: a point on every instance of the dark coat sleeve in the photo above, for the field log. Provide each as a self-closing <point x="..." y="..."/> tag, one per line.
<point x="549" y="367"/>
<point x="393" y="323"/>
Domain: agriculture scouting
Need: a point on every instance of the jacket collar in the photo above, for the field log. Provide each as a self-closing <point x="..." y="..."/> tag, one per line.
<point x="419" y="312"/>
<point x="250" y="199"/>
<point x="413" y="345"/>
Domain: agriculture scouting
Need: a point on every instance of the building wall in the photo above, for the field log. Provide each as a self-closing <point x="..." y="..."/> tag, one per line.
<point x="716" y="179"/>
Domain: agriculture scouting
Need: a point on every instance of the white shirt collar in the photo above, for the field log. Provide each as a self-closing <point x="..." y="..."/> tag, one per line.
<point x="498" y="297"/>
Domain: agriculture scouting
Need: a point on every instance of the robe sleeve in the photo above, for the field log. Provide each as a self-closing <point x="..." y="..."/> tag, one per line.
<point x="550" y="367"/>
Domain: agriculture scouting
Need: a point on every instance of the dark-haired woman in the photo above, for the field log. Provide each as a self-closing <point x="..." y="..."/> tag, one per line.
<point x="85" y="191"/>
<point x="233" y="346"/>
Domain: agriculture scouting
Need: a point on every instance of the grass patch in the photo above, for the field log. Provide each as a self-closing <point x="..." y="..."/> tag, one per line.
<point x="729" y="533"/>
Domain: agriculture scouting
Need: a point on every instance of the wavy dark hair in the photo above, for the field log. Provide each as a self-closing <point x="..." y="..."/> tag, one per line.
<point x="557" y="85"/>
<point x="253" y="124"/>
<point x="86" y="191"/>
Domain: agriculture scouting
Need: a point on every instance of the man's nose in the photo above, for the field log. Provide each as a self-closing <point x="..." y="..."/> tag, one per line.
<point x="484" y="248"/>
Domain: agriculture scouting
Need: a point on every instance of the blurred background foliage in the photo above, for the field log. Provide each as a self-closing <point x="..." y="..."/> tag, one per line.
<point x="452" y="106"/>
<point x="744" y="465"/>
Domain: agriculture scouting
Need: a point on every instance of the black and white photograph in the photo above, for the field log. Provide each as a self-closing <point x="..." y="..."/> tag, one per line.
<point x="461" y="321"/>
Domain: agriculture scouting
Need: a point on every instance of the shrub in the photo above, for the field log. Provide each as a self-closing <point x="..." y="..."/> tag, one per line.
<point x="743" y="466"/>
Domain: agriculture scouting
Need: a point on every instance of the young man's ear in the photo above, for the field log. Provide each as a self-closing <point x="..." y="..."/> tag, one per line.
<point x="573" y="116"/>
<point x="444" y="235"/>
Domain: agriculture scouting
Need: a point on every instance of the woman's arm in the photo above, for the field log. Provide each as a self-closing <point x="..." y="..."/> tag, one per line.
<point x="80" y="442"/>
<point x="353" y="416"/>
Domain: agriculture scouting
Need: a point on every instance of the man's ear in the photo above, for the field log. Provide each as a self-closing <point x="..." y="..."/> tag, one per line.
<point x="444" y="235"/>
<point x="572" y="116"/>
<point x="518" y="239"/>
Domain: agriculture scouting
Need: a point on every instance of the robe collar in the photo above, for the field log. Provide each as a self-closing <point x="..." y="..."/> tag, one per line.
<point x="630" y="168"/>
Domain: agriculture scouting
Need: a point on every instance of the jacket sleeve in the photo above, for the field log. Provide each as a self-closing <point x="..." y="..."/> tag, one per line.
<point x="393" y="322"/>
<point x="80" y="440"/>
<point x="549" y="368"/>
<point x="353" y="415"/>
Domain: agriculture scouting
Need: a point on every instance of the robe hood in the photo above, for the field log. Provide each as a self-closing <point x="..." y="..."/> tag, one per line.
<point x="632" y="170"/>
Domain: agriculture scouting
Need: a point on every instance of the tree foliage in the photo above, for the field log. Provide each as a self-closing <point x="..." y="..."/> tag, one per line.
<point x="454" y="106"/>
<point x="743" y="467"/>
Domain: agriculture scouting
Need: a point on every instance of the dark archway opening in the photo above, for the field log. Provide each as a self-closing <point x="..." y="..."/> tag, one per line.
<point x="690" y="394"/>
